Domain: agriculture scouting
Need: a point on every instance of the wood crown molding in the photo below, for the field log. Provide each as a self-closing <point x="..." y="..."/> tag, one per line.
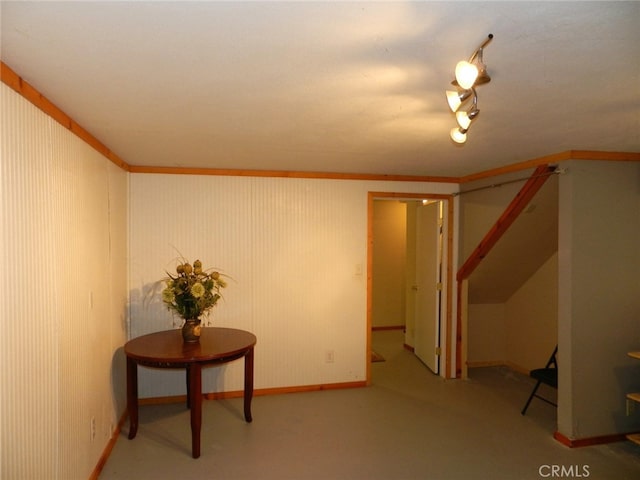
<point x="553" y="159"/>
<point x="290" y="174"/>
<point x="17" y="83"/>
<point x="26" y="90"/>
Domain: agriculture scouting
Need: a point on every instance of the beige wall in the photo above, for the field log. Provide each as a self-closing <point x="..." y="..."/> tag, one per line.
<point x="389" y="261"/>
<point x="297" y="252"/>
<point x="531" y="316"/>
<point x="520" y="332"/>
<point x="599" y="297"/>
<point x="487" y="334"/>
<point x="64" y="283"/>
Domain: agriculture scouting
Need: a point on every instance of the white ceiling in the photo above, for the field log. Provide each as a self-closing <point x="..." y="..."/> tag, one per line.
<point x="332" y="86"/>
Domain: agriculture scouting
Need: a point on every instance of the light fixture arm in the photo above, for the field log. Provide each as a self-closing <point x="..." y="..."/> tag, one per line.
<point x="479" y="49"/>
<point x="473" y="111"/>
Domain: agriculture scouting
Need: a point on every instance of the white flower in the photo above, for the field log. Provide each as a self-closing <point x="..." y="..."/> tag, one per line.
<point x="197" y="290"/>
<point x="168" y="296"/>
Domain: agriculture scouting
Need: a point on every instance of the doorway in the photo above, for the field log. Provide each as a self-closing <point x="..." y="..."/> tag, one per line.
<point x="420" y="302"/>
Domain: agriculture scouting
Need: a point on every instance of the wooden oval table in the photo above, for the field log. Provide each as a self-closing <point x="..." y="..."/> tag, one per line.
<point x="167" y="350"/>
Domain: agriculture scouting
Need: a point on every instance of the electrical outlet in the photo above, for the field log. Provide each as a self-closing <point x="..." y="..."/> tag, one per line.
<point x="328" y="356"/>
<point x="93" y="428"/>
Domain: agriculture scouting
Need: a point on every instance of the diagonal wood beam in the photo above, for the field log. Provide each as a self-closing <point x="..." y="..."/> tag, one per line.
<point x="517" y="205"/>
<point x="520" y="201"/>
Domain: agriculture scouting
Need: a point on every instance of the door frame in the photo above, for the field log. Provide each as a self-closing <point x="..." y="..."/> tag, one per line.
<point x="448" y="263"/>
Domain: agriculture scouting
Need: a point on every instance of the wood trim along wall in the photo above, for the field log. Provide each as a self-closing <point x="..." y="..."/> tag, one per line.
<point x="256" y="393"/>
<point x="462" y="369"/>
<point x="107" y="450"/>
<point x="516" y="167"/>
<point x="14" y="81"/>
<point x="17" y="83"/>
<point x="449" y="268"/>
<point x="291" y="174"/>
<point x="599" y="155"/>
<point x="552" y="159"/>
<point x="589" y="441"/>
<point x="388" y="327"/>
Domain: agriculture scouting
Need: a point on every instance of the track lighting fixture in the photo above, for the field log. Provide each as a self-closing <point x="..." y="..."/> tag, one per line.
<point x="468" y="75"/>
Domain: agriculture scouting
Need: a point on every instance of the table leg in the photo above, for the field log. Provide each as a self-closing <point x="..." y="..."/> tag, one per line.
<point x="248" y="384"/>
<point x="195" y="395"/>
<point x="132" y="396"/>
<point x="188" y="389"/>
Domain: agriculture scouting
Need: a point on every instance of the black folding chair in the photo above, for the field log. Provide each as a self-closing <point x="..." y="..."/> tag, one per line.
<point x="547" y="375"/>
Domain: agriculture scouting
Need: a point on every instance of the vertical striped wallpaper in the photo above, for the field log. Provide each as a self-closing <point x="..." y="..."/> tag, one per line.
<point x="64" y="225"/>
<point x="29" y="346"/>
<point x="293" y="248"/>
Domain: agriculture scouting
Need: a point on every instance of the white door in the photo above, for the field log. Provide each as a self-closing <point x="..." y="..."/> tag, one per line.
<point x="428" y="285"/>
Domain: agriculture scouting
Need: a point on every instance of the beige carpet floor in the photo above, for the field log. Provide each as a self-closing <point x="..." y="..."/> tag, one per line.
<point x="410" y="424"/>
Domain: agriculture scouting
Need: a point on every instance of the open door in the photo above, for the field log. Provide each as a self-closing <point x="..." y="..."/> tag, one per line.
<point x="436" y="226"/>
<point x="428" y="287"/>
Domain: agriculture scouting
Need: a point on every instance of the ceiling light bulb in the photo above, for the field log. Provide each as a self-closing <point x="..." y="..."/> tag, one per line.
<point x="463" y="119"/>
<point x="466" y="74"/>
<point x="458" y="135"/>
<point x="455" y="98"/>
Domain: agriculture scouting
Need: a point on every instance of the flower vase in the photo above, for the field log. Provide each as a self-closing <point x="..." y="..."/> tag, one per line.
<point x="191" y="331"/>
